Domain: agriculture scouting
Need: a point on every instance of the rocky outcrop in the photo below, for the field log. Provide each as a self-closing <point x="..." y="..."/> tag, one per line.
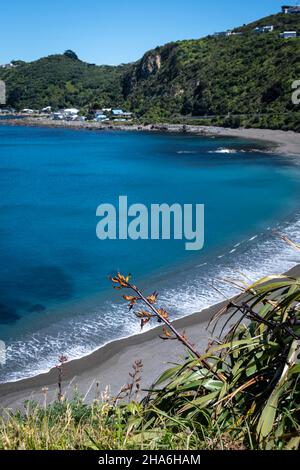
<point x="150" y="65"/>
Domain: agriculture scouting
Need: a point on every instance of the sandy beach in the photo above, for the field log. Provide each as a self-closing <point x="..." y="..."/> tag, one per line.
<point x="281" y="142"/>
<point x="109" y="365"/>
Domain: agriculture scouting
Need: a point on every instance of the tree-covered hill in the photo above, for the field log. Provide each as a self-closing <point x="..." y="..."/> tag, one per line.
<point x="63" y="80"/>
<point x="240" y="74"/>
<point x="248" y="76"/>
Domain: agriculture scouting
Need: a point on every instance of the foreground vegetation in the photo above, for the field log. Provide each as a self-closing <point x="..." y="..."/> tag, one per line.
<point x="236" y="81"/>
<point x="242" y="393"/>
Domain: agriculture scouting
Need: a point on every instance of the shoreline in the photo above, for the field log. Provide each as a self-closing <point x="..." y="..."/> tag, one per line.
<point x="283" y="142"/>
<point x="109" y="365"/>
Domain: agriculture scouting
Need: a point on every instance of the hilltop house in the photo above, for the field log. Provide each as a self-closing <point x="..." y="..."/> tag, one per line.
<point x="287" y="9"/>
<point x="227" y="33"/>
<point x="223" y="33"/>
<point x="8" y="66"/>
<point x="264" y="29"/>
<point x="294" y="10"/>
<point x="288" y="34"/>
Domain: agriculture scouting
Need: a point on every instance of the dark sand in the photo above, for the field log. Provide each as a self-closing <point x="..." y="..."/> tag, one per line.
<point x="111" y="364"/>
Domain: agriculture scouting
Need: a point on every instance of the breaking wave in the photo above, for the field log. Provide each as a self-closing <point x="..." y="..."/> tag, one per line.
<point x="188" y="289"/>
<point x="225" y="150"/>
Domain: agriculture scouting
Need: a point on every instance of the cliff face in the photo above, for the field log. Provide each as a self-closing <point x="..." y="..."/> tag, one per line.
<point x="150" y="64"/>
<point x="150" y="67"/>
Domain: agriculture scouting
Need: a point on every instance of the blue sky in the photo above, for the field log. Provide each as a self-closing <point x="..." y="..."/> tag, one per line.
<point x="115" y="31"/>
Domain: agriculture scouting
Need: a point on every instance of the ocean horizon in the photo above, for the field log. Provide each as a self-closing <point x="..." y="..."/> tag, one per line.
<point x="55" y="295"/>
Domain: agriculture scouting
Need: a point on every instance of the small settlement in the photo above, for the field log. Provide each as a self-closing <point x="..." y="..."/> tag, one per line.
<point x="285" y="9"/>
<point x="73" y="114"/>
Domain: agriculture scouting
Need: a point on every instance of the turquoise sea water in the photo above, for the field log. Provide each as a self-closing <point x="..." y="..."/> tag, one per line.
<point x="55" y="296"/>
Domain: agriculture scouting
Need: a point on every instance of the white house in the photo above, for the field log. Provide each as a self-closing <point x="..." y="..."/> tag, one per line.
<point x="223" y="33"/>
<point x="68" y="114"/>
<point x="264" y="29"/>
<point x="100" y="117"/>
<point x="71" y="114"/>
<point x="117" y="112"/>
<point x="71" y="111"/>
<point x="120" y="115"/>
<point x="288" y="34"/>
<point x="27" y="111"/>
<point x="57" y="116"/>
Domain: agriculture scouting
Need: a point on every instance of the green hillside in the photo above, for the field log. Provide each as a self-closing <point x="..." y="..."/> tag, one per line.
<point x="62" y="80"/>
<point x="248" y="76"/>
<point x="280" y="22"/>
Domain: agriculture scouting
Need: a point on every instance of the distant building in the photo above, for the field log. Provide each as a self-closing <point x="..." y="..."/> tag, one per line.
<point x="8" y="66"/>
<point x="48" y="109"/>
<point x="27" y="111"/>
<point x="100" y="117"/>
<point x="7" y="110"/>
<point x="287" y="9"/>
<point x="294" y="10"/>
<point x="264" y="29"/>
<point x="117" y="112"/>
<point x="68" y="114"/>
<point x="71" y="111"/>
<point x="223" y="33"/>
<point x="120" y="115"/>
<point x="288" y="34"/>
<point x="57" y="116"/>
